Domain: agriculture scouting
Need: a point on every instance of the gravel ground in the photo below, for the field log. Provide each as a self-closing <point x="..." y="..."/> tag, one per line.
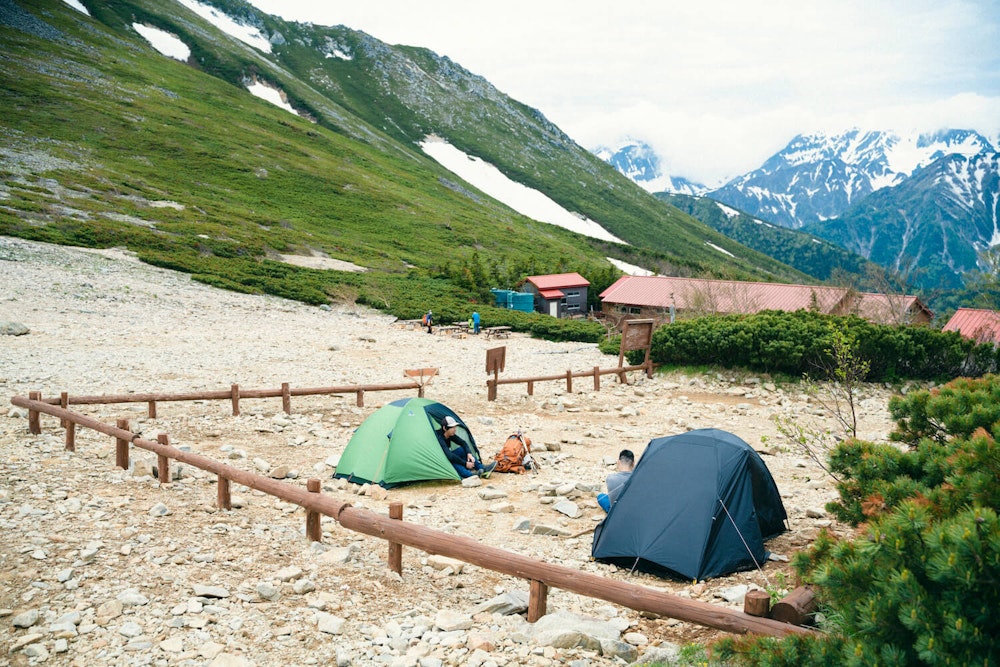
<point x="105" y="566"/>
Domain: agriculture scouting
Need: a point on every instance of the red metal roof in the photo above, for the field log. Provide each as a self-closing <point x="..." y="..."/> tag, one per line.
<point x="558" y="281"/>
<point x="729" y="296"/>
<point x="549" y="294"/>
<point x="976" y="323"/>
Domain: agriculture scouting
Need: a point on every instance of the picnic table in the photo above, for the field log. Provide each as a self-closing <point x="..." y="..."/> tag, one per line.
<point x="497" y="332"/>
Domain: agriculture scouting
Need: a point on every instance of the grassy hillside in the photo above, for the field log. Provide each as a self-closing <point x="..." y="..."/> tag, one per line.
<point x="104" y="141"/>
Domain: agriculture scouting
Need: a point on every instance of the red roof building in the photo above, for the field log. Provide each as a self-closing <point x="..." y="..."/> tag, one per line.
<point x="982" y="326"/>
<point x="559" y="294"/>
<point x="663" y="298"/>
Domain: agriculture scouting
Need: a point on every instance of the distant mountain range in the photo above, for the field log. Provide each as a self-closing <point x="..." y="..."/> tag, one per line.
<point x="638" y="161"/>
<point x="923" y="205"/>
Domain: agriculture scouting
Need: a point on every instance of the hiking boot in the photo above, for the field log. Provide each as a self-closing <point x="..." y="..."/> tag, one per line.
<point x="487" y="469"/>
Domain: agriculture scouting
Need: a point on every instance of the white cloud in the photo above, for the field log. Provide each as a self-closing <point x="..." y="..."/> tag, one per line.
<point x="716" y="86"/>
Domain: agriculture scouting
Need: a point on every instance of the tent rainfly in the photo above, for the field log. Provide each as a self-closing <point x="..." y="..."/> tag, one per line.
<point x="699" y="504"/>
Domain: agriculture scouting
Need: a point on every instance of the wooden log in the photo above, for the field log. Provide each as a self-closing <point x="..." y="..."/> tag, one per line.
<point x="223" y="498"/>
<point x="34" y="423"/>
<point x="757" y="603"/>
<point x="537" y="600"/>
<point x="121" y="446"/>
<point x="395" y="548"/>
<point x="234" y="395"/>
<point x="286" y="398"/>
<point x="162" y="462"/>
<point x="797" y="608"/>
<point x="314" y="531"/>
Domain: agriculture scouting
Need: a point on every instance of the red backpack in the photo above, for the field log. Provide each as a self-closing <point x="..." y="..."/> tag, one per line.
<point x="515" y="455"/>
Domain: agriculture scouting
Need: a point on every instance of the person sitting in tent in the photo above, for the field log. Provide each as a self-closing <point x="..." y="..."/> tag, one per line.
<point x="617" y="479"/>
<point x="459" y="453"/>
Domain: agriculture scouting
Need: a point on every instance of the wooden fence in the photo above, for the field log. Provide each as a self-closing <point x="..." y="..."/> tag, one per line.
<point x="234" y="394"/>
<point x="399" y="533"/>
<point x="568" y="376"/>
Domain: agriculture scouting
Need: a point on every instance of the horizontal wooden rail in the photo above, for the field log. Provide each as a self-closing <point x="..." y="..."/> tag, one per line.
<point x="568" y="376"/>
<point x="397" y="532"/>
<point x="235" y="393"/>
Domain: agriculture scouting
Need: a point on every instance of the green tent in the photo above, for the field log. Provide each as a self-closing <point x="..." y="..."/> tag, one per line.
<point x="401" y="443"/>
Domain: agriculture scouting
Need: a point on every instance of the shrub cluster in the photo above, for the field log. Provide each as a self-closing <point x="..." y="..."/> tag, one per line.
<point x="801" y="342"/>
<point x="919" y="585"/>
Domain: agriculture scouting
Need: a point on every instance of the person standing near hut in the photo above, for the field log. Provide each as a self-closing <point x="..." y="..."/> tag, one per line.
<point x="475" y="321"/>
<point x="429" y="321"/>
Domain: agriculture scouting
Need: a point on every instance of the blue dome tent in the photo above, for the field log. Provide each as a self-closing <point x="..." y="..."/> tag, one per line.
<point x="699" y="504"/>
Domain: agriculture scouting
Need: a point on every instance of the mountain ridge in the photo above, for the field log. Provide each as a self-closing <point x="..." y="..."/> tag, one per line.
<point x="344" y="177"/>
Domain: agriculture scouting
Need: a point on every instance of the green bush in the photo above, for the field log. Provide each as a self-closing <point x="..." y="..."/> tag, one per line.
<point x="919" y="585"/>
<point x="801" y="342"/>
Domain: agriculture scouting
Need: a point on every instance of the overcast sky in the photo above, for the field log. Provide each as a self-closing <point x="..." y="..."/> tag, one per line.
<point x="715" y="86"/>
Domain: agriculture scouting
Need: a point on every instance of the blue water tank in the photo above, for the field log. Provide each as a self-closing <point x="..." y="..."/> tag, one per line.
<point x="523" y="301"/>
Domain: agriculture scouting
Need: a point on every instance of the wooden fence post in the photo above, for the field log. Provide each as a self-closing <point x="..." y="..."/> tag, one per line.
<point x="64" y="404"/>
<point x="396" y="549"/>
<point x="531" y="388"/>
<point x="223" y="500"/>
<point x="286" y="398"/>
<point x="597" y="378"/>
<point x="151" y="409"/>
<point x="34" y="423"/>
<point x="569" y="382"/>
<point x="70" y="436"/>
<point x="537" y="600"/>
<point x="121" y="446"/>
<point x="314" y="532"/>
<point x="162" y="462"/>
<point x="234" y="392"/>
<point x="361" y="398"/>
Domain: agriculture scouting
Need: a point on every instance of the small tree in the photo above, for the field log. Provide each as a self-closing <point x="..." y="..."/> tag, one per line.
<point x="845" y="374"/>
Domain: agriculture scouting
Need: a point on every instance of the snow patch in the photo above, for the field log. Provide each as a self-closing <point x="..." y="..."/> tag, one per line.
<point x="729" y="211"/>
<point x="722" y="250"/>
<point x="164" y="42"/>
<point x="337" y="53"/>
<point x="522" y="199"/>
<point x="629" y="269"/>
<point x="245" y="33"/>
<point x="77" y="5"/>
<point x="272" y="95"/>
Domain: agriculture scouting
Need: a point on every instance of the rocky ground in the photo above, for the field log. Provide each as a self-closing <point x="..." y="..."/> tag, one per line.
<point x="103" y="566"/>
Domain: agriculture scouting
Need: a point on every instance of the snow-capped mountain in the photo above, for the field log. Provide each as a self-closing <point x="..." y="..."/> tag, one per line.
<point x="638" y="161"/>
<point x="932" y="225"/>
<point x="818" y="176"/>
